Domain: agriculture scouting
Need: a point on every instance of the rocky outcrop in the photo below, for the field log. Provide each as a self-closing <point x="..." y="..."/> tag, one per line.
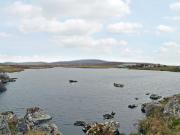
<point x="172" y="108"/>
<point x="35" y="120"/>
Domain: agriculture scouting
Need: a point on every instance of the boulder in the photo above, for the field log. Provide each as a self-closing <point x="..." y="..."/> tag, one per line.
<point x="132" y="106"/>
<point x="36" y="116"/>
<point x="106" y="128"/>
<point x="172" y="108"/>
<point x="109" y="116"/>
<point x="155" y="97"/>
<point x="149" y="108"/>
<point x="80" y="123"/>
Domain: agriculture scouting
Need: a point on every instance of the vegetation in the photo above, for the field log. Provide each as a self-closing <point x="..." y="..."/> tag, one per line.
<point x="11" y="69"/>
<point x="158" y="123"/>
<point x="157" y="68"/>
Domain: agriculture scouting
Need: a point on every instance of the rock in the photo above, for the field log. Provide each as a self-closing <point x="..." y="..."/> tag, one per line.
<point x="109" y="116"/>
<point x="148" y="108"/>
<point x="132" y="106"/>
<point x="36" y="116"/>
<point x="80" y="123"/>
<point x="172" y="108"/>
<point x="73" y="81"/>
<point x="155" y="97"/>
<point x="22" y="126"/>
<point x="106" y="128"/>
<point x="4" y="128"/>
<point x="48" y="128"/>
<point x="136" y="98"/>
<point x="118" y="85"/>
<point x="2" y="87"/>
<point x="147" y="93"/>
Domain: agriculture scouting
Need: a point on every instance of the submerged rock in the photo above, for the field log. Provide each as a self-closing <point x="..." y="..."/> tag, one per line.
<point x="2" y="87"/>
<point x="118" y="85"/>
<point x="132" y="106"/>
<point x="109" y="116"/>
<point x="73" y="81"/>
<point x="80" y="123"/>
<point x="155" y="97"/>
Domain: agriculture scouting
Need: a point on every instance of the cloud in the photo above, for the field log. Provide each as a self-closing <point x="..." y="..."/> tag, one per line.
<point x="21" y="9"/>
<point x="94" y="9"/>
<point x="168" y="53"/>
<point x="68" y="27"/>
<point x="174" y="18"/>
<point x="124" y="28"/>
<point x="32" y="19"/>
<point x="34" y="58"/>
<point x="164" y="29"/>
<point x="175" y="7"/>
<point x="88" y="43"/>
<point x="4" y="35"/>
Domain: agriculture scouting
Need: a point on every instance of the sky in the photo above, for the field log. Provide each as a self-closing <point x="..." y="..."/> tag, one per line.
<point x="114" y="30"/>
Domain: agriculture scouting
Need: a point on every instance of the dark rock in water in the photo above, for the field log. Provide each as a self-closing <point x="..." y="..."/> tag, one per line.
<point x="136" y="98"/>
<point x="155" y="97"/>
<point x="73" y="81"/>
<point x="147" y="94"/>
<point x="80" y="123"/>
<point x="2" y="87"/>
<point x="132" y="106"/>
<point x="118" y="85"/>
<point x="109" y="116"/>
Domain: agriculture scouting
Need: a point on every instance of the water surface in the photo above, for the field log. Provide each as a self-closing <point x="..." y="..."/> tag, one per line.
<point x="90" y="98"/>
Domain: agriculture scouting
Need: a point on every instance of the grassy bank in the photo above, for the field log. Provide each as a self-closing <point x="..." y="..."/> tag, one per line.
<point x="159" y="123"/>
<point x="161" y="68"/>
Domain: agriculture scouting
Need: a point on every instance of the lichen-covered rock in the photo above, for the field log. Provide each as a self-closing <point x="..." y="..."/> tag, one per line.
<point x="172" y="108"/>
<point x="150" y="108"/>
<point x="4" y="128"/>
<point x="106" y="128"/>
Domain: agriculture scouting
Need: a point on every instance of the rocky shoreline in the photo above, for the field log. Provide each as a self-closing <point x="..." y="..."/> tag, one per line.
<point x="35" y="122"/>
<point x="162" y="117"/>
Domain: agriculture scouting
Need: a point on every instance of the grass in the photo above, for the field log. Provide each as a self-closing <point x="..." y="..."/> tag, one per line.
<point x="157" y="123"/>
<point x="11" y="69"/>
<point x="36" y="133"/>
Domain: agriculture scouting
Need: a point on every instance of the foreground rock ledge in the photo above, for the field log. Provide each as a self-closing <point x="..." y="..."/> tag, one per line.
<point x="35" y="122"/>
<point x="162" y="117"/>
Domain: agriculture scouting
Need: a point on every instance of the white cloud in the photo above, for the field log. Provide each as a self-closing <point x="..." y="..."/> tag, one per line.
<point x="96" y="9"/>
<point x="88" y="43"/>
<point x="175" y="7"/>
<point x="32" y="19"/>
<point x="168" y="53"/>
<point x="124" y="28"/>
<point x="34" y="58"/>
<point x="21" y="9"/>
<point x="4" y="35"/>
<point x="164" y="29"/>
<point x="68" y="27"/>
<point x="174" y="18"/>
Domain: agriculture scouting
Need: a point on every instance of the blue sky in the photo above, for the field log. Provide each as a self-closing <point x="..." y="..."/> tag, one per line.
<point x="119" y="30"/>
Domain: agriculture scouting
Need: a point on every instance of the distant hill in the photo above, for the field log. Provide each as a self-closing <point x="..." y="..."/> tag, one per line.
<point x="74" y="63"/>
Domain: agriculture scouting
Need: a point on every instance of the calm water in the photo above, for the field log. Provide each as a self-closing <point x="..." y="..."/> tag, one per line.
<point x="88" y="99"/>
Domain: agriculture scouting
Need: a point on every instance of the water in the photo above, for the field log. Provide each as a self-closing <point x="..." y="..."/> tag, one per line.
<point x="88" y="99"/>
